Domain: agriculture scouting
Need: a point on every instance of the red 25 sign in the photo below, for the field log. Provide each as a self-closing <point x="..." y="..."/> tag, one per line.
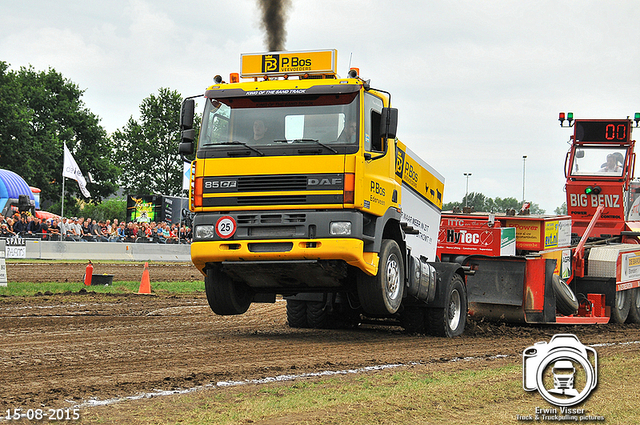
<point x="226" y="227"/>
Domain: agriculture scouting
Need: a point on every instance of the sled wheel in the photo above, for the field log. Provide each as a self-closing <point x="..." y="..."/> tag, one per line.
<point x="634" y="310"/>
<point x="566" y="301"/>
<point x="621" y="306"/>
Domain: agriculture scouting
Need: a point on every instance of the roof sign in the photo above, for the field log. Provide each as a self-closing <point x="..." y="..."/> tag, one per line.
<point x="288" y="63"/>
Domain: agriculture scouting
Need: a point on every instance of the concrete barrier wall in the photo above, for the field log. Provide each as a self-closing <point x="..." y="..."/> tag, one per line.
<point x="48" y="250"/>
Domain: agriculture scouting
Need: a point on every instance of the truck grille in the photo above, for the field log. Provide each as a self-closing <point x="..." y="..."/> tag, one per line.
<point x="271" y="183"/>
<point x="228" y="190"/>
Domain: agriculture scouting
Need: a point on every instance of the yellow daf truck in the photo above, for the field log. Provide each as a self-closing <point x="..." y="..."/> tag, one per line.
<point x="300" y="188"/>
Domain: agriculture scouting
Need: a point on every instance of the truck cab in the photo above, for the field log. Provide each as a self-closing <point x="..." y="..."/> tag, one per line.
<point x="603" y="202"/>
<point x="301" y="188"/>
<point x="599" y="169"/>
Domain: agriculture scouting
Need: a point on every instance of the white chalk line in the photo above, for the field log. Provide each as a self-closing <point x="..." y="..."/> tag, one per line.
<point x="268" y="380"/>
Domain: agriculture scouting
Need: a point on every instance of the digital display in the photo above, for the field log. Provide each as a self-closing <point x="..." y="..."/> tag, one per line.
<point x="602" y="131"/>
<point x="148" y="208"/>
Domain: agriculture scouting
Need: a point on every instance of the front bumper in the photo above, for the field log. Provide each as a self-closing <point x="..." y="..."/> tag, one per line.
<point x="282" y="250"/>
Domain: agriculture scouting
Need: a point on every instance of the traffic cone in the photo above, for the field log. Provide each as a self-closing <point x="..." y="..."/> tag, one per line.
<point x="145" y="283"/>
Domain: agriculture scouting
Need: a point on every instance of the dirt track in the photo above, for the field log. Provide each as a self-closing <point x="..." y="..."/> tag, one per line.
<point x="61" y="350"/>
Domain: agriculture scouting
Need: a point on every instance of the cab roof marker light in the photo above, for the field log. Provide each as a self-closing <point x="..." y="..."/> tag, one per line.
<point x="595" y="190"/>
<point x="234" y="77"/>
<point x="636" y="118"/>
<point x="568" y="117"/>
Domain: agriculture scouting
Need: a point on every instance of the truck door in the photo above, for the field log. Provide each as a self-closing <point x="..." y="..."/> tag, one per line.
<point x="379" y="181"/>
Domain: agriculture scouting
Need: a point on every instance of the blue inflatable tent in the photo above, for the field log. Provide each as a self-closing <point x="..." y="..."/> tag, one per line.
<point x="11" y="187"/>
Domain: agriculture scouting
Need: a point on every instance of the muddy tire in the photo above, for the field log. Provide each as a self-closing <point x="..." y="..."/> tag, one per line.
<point x="621" y="306"/>
<point x="297" y="314"/>
<point x="450" y="320"/>
<point x="317" y="316"/>
<point x="566" y="301"/>
<point x="413" y="319"/>
<point x="634" y="308"/>
<point x="381" y="295"/>
<point x="225" y="296"/>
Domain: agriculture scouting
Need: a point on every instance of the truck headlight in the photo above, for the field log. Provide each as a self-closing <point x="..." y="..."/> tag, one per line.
<point x="340" y="228"/>
<point x="205" y="231"/>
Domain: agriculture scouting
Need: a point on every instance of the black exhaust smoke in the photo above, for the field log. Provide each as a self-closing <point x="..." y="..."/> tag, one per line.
<point x="274" y="16"/>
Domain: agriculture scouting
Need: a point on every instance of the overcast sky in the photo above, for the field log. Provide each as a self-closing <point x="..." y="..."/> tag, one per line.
<point x="479" y="84"/>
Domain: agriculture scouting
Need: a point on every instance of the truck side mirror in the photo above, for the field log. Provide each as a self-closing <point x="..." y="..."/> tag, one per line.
<point x="186" y="114"/>
<point x="186" y="146"/>
<point x="389" y="123"/>
<point x="186" y="125"/>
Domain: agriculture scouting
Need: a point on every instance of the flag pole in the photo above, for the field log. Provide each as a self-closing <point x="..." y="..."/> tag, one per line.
<point x="62" y="208"/>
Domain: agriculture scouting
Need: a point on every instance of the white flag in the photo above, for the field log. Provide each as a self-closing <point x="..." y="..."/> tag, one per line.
<point x="71" y="170"/>
<point x="186" y="176"/>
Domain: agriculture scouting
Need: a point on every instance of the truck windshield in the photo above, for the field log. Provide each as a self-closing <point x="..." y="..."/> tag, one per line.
<point x="591" y="161"/>
<point x="280" y="120"/>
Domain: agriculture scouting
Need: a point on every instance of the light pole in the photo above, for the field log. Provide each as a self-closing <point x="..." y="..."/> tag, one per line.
<point x="466" y="195"/>
<point x="524" y="161"/>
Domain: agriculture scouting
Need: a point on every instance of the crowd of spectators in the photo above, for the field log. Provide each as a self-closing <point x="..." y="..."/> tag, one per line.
<point x="87" y="230"/>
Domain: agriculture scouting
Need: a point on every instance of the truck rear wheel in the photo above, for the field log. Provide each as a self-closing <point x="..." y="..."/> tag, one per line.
<point x="225" y="296"/>
<point x="621" y="306"/>
<point x="317" y="315"/>
<point x="566" y="301"/>
<point x="297" y="314"/>
<point x="450" y="320"/>
<point x="634" y="310"/>
<point x="382" y="294"/>
<point x="413" y="319"/>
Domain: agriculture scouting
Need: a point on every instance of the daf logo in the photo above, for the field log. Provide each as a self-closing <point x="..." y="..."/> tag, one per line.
<point x="324" y="182"/>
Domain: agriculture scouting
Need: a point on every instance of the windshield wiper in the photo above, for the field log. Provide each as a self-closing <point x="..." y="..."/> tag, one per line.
<point x="315" y="141"/>
<point x="236" y="142"/>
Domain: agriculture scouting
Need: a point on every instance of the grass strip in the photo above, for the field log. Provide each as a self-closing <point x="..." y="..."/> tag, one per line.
<point x="25" y="289"/>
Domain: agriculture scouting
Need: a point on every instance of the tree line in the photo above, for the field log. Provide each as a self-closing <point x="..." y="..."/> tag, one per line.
<point x="42" y="110"/>
<point x="480" y="202"/>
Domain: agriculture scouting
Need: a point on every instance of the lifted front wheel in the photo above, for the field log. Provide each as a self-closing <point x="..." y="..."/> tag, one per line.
<point x="225" y="296"/>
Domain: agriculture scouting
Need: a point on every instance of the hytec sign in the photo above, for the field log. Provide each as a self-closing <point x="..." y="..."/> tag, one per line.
<point x="489" y="241"/>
